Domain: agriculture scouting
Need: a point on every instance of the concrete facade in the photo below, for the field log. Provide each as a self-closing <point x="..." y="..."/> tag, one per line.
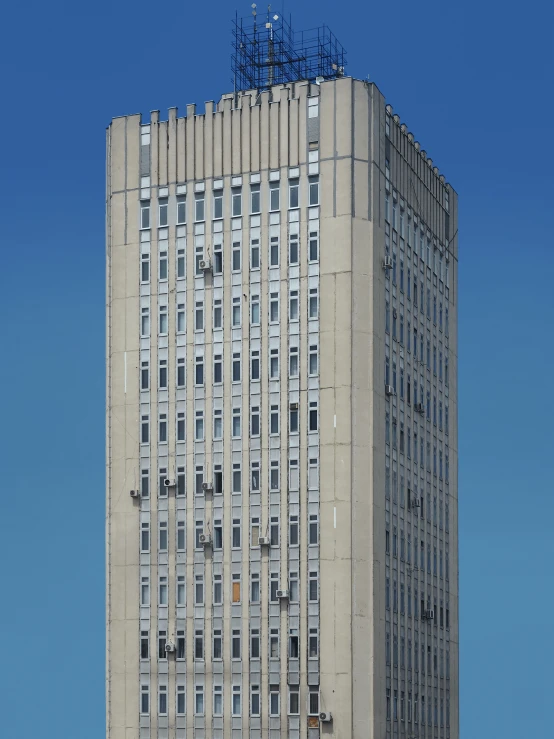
<point x="340" y="449"/>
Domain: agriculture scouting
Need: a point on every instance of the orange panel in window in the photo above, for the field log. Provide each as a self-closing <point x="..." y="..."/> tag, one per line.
<point x="236" y="592"/>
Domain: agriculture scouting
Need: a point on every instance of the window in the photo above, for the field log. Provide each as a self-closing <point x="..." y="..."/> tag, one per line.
<point x="255" y="644"/>
<point x="274" y="420"/>
<point x="162" y="373"/>
<point x="274" y="364"/>
<point x="181" y="372"/>
<point x="162" y="428"/>
<point x="199" y="206"/>
<point x="180" y="263"/>
<point x="312" y="360"/>
<point x="218" y="369"/>
<point x="180" y="590"/>
<point x="255" y="476"/>
<point x="235" y="256"/>
<point x="313" y="303"/>
<point x="312" y="586"/>
<point x="255" y="310"/>
<point x="218" y="700"/>
<point x="293" y="418"/>
<point x="313" y="643"/>
<point x="145" y="267"/>
<point x="255" y="587"/>
<point x="293" y="194"/>
<point x="313" y="246"/>
<point x="199" y="590"/>
<point x="274" y="307"/>
<point x="236" y="701"/>
<point x="235" y="639"/>
<point x="162" y="536"/>
<point x="255" y="421"/>
<point x="145" y="537"/>
<point x="180" y="536"/>
<point x="145" y="484"/>
<point x="236" y="533"/>
<point x="236" y="367"/>
<point x="293" y="361"/>
<point x="255" y="254"/>
<point x="163" y="590"/>
<point x="274" y="251"/>
<point x="162" y="272"/>
<point x="181" y="700"/>
<point x="181" y="321"/>
<point x="255" y="199"/>
<point x="144" y="376"/>
<point x="293" y="596"/>
<point x="293" y="249"/>
<point x="218" y="259"/>
<point x="274" y="193"/>
<point x="199" y="700"/>
<point x="144" y="645"/>
<point x="237" y="478"/>
<point x="217" y="651"/>
<point x="255" y="700"/>
<point x="274" y="700"/>
<point x="274" y="531"/>
<point x="236" y="312"/>
<point x="294" y="700"/>
<point x="145" y="322"/>
<point x="199" y="426"/>
<point x="199" y="316"/>
<point x="162" y="700"/>
<point x="293" y="305"/>
<point x="144" y="699"/>
<point x="180" y="645"/>
<point x="236" y="201"/>
<point x="274" y="633"/>
<point x="293" y="531"/>
<point x="313" y="188"/>
<point x="313" y="529"/>
<point x="274" y="476"/>
<point x="218" y="204"/>
<point x="313" y="413"/>
<point x="218" y="317"/>
<point x="218" y="588"/>
<point x="255" y="365"/>
<point x="313" y="702"/>
<point x="181" y="209"/>
<point x="145" y="214"/>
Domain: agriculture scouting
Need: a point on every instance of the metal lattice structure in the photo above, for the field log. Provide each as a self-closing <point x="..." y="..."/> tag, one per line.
<point x="268" y="52"/>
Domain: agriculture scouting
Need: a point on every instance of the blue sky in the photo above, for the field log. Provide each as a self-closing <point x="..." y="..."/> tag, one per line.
<point x="473" y="81"/>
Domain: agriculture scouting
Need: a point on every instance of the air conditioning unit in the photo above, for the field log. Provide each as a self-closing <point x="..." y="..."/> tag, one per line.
<point x="418" y="407"/>
<point x="134" y="493"/>
<point x="282" y="593"/>
<point x="387" y="262"/>
<point x="263" y="541"/>
<point x="207" y="487"/>
<point x="205" y="539"/>
<point x="414" y="503"/>
<point x="294" y="406"/>
<point x="169" y="483"/>
<point x="430" y="614"/>
<point x="169" y="647"/>
<point x="325" y="717"/>
<point x="389" y="390"/>
<point x="205" y="265"/>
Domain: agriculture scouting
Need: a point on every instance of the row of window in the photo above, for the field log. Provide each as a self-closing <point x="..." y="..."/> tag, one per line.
<point x="274" y="647"/>
<point x="436" y="312"/>
<point x="217" y="543"/>
<point x="425" y="613"/>
<point x="217" y="480"/>
<point x="236" y="312"/>
<point x="236" y="426"/>
<point x="431" y="357"/>
<point x="408" y="659"/>
<point x="236" y="257"/>
<point x="217" y="593"/>
<point x="415" y="710"/>
<point x="312" y="706"/>
<point x="236" y="202"/>
<point x="405" y="551"/>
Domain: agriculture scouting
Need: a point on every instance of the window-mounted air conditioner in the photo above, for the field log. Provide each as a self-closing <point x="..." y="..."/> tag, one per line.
<point x="205" y="265"/>
<point x="169" y="483"/>
<point x="282" y="594"/>
<point x="207" y="487"/>
<point x="325" y="717"/>
<point x="134" y="493"/>
<point x="263" y="541"/>
<point x="169" y="647"/>
<point x="389" y="390"/>
<point x="205" y="539"/>
<point x="387" y="262"/>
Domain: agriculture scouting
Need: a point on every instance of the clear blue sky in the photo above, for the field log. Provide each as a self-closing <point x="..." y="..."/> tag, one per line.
<point x="473" y="80"/>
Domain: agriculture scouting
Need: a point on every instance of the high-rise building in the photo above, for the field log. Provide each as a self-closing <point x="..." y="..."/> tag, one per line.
<point x="282" y="550"/>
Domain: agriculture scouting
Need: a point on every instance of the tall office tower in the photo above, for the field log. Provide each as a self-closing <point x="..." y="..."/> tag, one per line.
<point x="281" y="422"/>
